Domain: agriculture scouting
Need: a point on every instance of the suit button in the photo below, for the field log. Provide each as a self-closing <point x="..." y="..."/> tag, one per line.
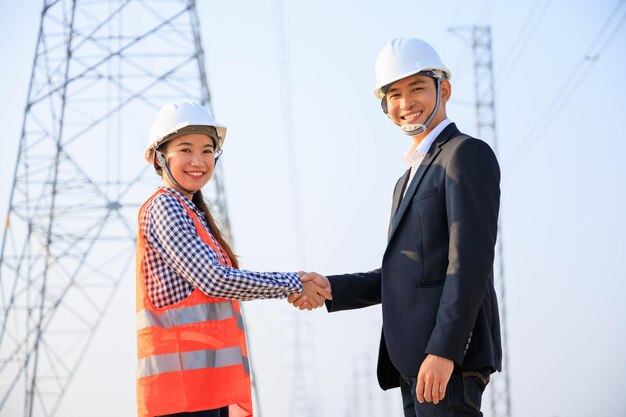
<point x="469" y="340"/>
<point x="466" y="347"/>
<point x="464" y="352"/>
<point x="472" y="332"/>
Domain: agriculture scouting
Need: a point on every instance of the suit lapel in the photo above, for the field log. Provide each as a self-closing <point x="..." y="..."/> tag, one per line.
<point x="432" y="154"/>
<point x="397" y="196"/>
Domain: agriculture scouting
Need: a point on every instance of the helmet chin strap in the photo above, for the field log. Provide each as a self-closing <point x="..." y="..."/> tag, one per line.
<point x="417" y="129"/>
<point x="166" y="169"/>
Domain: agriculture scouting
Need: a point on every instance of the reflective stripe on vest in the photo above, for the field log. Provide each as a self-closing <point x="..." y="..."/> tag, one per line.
<point x="187" y="361"/>
<point x="187" y="315"/>
<point x="240" y="321"/>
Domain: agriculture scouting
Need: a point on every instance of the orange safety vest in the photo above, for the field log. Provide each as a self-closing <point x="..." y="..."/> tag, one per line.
<point x="192" y="354"/>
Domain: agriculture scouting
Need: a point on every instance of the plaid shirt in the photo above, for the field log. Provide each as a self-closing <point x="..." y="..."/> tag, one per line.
<point x="176" y="260"/>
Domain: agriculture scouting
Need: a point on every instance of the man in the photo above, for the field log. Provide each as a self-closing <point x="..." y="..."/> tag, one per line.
<point x="441" y="334"/>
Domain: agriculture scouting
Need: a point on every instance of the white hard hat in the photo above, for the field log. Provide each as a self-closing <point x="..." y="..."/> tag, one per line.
<point x="177" y="119"/>
<point x="403" y="57"/>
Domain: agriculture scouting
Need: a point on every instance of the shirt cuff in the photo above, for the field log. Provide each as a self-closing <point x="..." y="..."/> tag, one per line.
<point x="294" y="281"/>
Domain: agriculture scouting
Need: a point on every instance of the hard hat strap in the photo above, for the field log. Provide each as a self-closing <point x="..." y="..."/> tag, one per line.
<point x="436" y="74"/>
<point x="166" y="169"/>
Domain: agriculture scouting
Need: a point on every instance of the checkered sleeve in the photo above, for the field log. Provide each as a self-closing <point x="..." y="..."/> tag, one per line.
<point x="172" y="232"/>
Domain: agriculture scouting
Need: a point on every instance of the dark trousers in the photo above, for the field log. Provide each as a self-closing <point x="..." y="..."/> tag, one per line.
<point x="463" y="395"/>
<point x="222" y="412"/>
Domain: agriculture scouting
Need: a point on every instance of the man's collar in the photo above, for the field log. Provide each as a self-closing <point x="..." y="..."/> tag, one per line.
<point x="417" y="151"/>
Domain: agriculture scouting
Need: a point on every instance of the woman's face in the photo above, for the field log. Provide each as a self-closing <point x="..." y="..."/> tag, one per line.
<point x="191" y="159"/>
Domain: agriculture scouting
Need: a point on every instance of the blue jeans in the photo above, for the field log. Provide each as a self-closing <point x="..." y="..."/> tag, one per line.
<point x="463" y="395"/>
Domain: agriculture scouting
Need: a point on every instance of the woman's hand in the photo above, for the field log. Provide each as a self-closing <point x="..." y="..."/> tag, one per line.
<point x="315" y="290"/>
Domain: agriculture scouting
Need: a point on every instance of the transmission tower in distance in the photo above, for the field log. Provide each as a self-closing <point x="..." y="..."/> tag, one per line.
<point x="301" y="403"/>
<point x="480" y="39"/>
<point x="101" y="71"/>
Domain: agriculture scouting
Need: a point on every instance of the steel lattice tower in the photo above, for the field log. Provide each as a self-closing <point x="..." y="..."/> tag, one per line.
<point x="101" y="71"/>
<point x="480" y="39"/>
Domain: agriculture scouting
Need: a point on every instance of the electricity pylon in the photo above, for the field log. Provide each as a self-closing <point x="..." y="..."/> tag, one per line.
<point x="480" y="40"/>
<point x="101" y="71"/>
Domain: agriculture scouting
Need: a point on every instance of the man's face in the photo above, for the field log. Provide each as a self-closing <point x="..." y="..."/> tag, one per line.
<point x="412" y="99"/>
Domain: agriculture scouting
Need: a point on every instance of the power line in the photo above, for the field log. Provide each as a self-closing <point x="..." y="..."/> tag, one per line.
<point x="462" y="64"/>
<point x="571" y="85"/>
<point x="288" y="130"/>
<point x="487" y="10"/>
<point x="529" y="28"/>
<point x="300" y="402"/>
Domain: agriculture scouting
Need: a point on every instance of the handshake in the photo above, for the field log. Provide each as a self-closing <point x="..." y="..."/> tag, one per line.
<point x="315" y="290"/>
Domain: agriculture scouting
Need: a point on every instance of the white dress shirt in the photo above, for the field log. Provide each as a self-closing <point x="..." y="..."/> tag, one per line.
<point x="415" y="155"/>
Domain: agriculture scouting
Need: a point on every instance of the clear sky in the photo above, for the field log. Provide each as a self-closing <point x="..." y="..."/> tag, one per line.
<point x="559" y="98"/>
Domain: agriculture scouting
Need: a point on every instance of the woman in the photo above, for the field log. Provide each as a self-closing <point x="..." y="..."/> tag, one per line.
<point x="190" y="338"/>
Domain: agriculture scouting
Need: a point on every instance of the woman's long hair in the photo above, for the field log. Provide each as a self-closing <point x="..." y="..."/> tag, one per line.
<point x="198" y="200"/>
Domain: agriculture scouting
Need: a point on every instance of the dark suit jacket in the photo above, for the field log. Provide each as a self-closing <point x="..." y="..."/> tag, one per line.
<point x="436" y="279"/>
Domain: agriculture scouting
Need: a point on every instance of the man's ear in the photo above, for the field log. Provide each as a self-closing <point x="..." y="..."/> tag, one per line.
<point x="446" y="90"/>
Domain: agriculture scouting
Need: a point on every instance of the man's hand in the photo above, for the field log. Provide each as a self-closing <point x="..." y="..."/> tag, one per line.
<point x="433" y="378"/>
<point x="315" y="290"/>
